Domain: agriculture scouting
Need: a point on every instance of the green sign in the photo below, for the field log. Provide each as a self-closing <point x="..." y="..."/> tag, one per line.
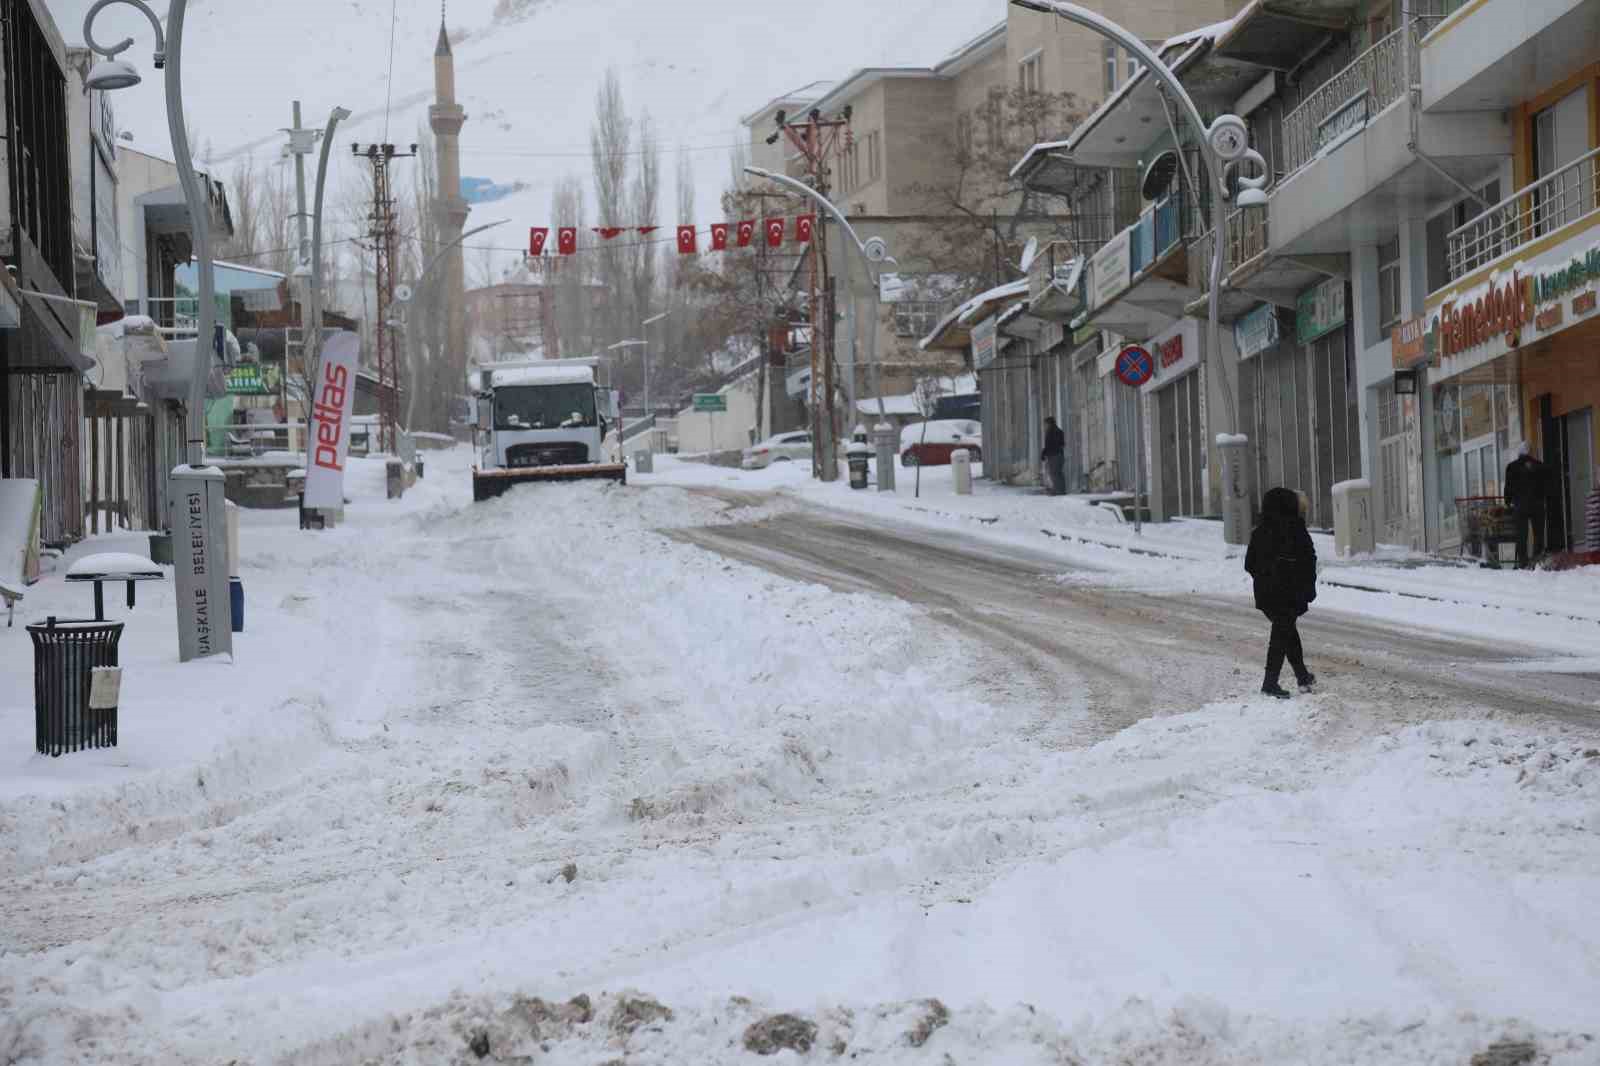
<point x="1320" y="310"/>
<point x="253" y="379"/>
<point x="710" y="402"/>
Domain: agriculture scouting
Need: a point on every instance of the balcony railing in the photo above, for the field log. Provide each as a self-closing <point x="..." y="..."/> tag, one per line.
<point x="1555" y="200"/>
<point x="1053" y="267"/>
<point x="1347" y="100"/>
<point x="1247" y="236"/>
<point x="1160" y="228"/>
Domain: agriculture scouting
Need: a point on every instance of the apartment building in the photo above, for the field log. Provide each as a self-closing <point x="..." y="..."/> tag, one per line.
<point x="1502" y="348"/>
<point x="46" y="334"/>
<point x="920" y="137"/>
<point x="1390" y="151"/>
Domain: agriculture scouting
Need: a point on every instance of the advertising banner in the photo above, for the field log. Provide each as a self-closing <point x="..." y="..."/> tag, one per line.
<point x="333" y="406"/>
<point x="1320" y="310"/>
<point x="1257" y="331"/>
<point x="983" y="340"/>
<point x="1110" y="270"/>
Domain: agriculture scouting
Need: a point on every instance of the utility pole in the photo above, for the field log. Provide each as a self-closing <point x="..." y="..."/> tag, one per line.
<point x="384" y="235"/>
<point x="302" y="142"/>
<point x="815" y="140"/>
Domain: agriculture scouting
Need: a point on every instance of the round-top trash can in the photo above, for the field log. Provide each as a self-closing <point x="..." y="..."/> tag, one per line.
<point x="66" y="654"/>
<point x="857" y="456"/>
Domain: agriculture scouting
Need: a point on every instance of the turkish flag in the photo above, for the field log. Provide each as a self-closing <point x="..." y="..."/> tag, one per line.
<point x="775" y="228"/>
<point x="567" y="240"/>
<point x="719" y="236"/>
<point x="536" y="238"/>
<point x="645" y="231"/>
<point x="607" y="232"/>
<point x="747" y="230"/>
<point x="686" y="240"/>
<point x="802" y="228"/>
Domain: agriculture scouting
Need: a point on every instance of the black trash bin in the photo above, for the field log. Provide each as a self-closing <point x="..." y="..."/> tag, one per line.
<point x="65" y="654"/>
<point x="857" y="456"/>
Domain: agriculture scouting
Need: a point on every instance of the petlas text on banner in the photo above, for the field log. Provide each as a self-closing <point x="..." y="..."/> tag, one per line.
<point x="333" y="403"/>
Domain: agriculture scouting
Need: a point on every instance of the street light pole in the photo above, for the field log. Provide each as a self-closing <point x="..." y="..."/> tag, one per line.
<point x="195" y="499"/>
<point x="1223" y="142"/>
<point x="874" y="251"/>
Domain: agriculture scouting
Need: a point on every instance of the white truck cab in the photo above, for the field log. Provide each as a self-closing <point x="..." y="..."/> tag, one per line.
<point x="540" y="421"/>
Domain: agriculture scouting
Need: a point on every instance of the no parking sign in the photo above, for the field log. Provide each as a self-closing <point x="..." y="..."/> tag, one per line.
<point x="1135" y="366"/>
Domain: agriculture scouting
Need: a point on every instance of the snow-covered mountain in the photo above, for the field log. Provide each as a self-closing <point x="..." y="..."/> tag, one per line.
<point x="526" y="72"/>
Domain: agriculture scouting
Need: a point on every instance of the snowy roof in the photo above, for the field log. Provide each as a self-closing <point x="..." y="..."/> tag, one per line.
<point x="903" y="404"/>
<point x="975" y="310"/>
<point x="542" y="375"/>
<point x="804" y="95"/>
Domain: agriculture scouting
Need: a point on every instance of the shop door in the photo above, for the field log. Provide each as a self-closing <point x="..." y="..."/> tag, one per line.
<point x="1552" y="431"/>
<point x="1560" y="136"/>
<point x="1182" y="476"/>
<point x="1578" y="447"/>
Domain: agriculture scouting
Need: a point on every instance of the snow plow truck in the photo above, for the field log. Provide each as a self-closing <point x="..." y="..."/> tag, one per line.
<point x="539" y="421"/>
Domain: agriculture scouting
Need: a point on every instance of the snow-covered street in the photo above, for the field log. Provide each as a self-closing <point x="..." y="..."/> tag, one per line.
<point x="704" y="757"/>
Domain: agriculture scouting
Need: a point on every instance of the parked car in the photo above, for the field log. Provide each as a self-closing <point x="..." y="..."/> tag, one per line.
<point x="942" y="437"/>
<point x="781" y="448"/>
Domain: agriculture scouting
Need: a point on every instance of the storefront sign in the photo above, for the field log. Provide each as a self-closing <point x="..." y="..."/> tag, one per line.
<point x="1352" y="115"/>
<point x="1170" y="351"/>
<point x="1110" y="270"/>
<point x="1320" y="310"/>
<point x="253" y="379"/>
<point x="1256" y="332"/>
<point x="330" y="421"/>
<point x="1575" y="275"/>
<point x="1501" y="311"/>
<point x="1407" y="347"/>
<point x="1549" y="318"/>
<point x="1582" y="305"/>
<point x="983" y="343"/>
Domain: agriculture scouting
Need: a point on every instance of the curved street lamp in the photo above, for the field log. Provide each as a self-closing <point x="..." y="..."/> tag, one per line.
<point x="1224" y="143"/>
<point x="874" y="250"/>
<point x="195" y="490"/>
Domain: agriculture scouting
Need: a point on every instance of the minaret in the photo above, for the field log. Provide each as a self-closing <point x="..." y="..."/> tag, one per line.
<point x="447" y="118"/>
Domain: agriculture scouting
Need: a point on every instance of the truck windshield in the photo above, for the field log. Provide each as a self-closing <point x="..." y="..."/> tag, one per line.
<point x="544" y="407"/>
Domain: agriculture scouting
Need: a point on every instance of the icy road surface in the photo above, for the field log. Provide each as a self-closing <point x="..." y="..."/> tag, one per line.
<point x="700" y="759"/>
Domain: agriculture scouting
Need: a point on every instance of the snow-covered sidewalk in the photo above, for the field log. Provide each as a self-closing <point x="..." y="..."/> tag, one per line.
<point x="1557" y="611"/>
<point x="534" y="781"/>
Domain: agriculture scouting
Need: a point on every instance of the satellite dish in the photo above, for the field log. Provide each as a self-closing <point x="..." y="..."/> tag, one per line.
<point x="1158" y="175"/>
<point x="402" y="293"/>
<point x="1030" y="252"/>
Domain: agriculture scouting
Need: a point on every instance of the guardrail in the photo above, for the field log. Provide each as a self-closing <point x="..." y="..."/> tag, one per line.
<point x="1555" y="200"/>
<point x="1346" y="101"/>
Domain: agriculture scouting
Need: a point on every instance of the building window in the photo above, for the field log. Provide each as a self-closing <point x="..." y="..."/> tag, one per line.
<point x="874" y="156"/>
<point x="964" y="135"/>
<point x="916" y="318"/>
<point x="1389" y="424"/>
<point x="993" y="115"/>
<point x="1108" y="63"/>
<point x="1388" y="287"/>
<point x="1028" y="73"/>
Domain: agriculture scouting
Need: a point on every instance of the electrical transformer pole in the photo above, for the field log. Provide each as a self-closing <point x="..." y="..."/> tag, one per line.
<point x="384" y="236"/>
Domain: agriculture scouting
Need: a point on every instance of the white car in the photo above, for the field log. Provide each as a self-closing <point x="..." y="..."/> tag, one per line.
<point x="781" y="448"/>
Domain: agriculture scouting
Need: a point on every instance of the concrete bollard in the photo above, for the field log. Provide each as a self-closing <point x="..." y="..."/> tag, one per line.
<point x="961" y="471"/>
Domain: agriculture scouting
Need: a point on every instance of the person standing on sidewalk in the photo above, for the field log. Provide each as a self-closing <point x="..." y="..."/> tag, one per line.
<point x="1525" y="493"/>
<point x="1054" y="458"/>
<point x="1283" y="562"/>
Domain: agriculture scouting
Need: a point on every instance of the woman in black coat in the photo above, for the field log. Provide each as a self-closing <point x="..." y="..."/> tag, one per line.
<point x="1283" y="562"/>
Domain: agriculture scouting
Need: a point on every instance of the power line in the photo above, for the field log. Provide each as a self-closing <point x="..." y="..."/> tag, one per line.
<point x="513" y="154"/>
<point x="388" y="89"/>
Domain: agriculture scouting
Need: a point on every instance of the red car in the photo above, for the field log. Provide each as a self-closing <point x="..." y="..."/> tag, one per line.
<point x="931" y="443"/>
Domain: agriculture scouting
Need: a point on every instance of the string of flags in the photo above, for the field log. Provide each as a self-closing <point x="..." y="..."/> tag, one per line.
<point x="742" y="234"/>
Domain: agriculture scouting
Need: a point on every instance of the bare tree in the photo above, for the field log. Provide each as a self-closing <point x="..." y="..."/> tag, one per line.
<point x="685" y="187"/>
<point x="646" y="202"/>
<point x="571" y="275"/>
<point x="245" y="202"/>
<point x="610" y="140"/>
<point x="986" y="213"/>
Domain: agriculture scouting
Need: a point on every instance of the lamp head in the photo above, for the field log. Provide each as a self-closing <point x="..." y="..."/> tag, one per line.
<point x="109" y="75"/>
<point x="1251" y="198"/>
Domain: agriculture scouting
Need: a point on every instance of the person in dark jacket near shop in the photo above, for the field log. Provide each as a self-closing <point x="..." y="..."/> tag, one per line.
<point x="1054" y="457"/>
<point x="1283" y="562"/>
<point x="1525" y="494"/>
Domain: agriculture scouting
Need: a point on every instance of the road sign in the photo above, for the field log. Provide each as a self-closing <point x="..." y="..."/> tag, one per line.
<point x="710" y="402"/>
<point x="1134" y="366"/>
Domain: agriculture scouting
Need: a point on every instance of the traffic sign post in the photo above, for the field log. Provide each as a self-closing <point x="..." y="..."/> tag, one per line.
<point x="711" y="403"/>
<point x="1134" y="368"/>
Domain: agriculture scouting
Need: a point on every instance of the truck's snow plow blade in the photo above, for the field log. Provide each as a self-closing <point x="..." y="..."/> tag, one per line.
<point x="487" y="484"/>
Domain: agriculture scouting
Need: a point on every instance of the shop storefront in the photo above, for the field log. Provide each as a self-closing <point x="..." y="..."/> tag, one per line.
<point x="1108" y="417"/>
<point x="1175" y="424"/>
<point x="1299" y="397"/>
<point x="1513" y="355"/>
